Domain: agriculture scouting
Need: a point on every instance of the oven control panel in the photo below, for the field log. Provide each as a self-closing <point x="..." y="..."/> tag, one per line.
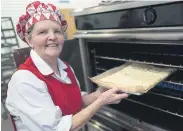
<point x="163" y="15"/>
<point x="149" y="16"/>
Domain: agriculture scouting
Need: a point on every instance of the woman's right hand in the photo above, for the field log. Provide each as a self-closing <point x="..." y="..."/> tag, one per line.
<point x="111" y="96"/>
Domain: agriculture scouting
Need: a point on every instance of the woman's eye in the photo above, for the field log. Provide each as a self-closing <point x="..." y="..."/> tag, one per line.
<point x="58" y="31"/>
<point x="42" y="32"/>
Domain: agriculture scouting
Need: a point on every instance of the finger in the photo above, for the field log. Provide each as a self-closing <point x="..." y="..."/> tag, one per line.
<point x="117" y="102"/>
<point x="113" y="90"/>
<point x="121" y="96"/>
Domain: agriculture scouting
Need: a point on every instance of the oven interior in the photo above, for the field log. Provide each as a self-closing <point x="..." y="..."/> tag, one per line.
<point x="162" y="106"/>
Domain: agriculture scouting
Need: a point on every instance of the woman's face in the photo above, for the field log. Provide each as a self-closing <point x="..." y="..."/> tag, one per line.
<point x="46" y="38"/>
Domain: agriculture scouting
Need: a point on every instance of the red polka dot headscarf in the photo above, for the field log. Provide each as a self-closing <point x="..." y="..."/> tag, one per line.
<point x="38" y="11"/>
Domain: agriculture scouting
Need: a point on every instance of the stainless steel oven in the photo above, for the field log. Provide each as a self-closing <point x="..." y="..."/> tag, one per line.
<point x="149" y="32"/>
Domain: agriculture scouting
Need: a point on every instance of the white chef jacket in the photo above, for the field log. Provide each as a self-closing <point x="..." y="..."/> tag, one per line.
<point x="31" y="104"/>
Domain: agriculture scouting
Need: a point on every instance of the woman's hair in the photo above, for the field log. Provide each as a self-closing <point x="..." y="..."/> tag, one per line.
<point x="29" y="31"/>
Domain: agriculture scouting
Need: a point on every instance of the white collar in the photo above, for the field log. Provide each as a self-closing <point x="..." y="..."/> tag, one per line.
<point x="43" y="67"/>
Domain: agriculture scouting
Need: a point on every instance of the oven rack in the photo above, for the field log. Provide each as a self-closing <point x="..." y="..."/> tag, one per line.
<point x="152" y="107"/>
<point x="174" y="83"/>
<point x="159" y="54"/>
<point x="168" y="96"/>
<point x="140" y="62"/>
<point x="179" y="98"/>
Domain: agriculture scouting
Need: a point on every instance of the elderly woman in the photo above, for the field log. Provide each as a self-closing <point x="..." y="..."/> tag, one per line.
<point x="44" y="94"/>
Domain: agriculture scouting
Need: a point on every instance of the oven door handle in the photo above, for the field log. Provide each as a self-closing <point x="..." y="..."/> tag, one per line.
<point x="131" y="35"/>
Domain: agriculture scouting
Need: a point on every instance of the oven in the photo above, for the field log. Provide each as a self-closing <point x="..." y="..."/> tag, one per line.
<point x="149" y="32"/>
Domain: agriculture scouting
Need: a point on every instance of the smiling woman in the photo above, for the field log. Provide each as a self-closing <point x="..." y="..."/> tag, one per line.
<point x="46" y="38"/>
<point x="44" y="93"/>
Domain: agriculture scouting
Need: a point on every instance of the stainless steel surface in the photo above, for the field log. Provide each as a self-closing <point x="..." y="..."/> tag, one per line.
<point x="158" y="33"/>
<point x="85" y="64"/>
<point x="142" y="62"/>
<point x="132" y="35"/>
<point x="126" y="121"/>
<point x="131" y="30"/>
<point x="97" y="126"/>
<point x="114" y="7"/>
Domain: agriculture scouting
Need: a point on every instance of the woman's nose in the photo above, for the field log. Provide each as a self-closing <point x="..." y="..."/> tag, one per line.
<point x="52" y="35"/>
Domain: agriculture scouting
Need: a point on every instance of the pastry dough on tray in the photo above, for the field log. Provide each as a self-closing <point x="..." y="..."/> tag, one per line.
<point x="132" y="78"/>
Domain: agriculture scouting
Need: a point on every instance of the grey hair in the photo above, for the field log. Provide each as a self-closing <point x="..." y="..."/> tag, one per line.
<point x="29" y="31"/>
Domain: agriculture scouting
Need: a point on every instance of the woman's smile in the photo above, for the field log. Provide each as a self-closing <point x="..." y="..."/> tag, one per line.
<point x="52" y="45"/>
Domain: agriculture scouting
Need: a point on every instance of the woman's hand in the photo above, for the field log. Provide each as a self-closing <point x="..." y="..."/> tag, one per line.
<point x="109" y="96"/>
<point x="112" y="96"/>
<point x="101" y="89"/>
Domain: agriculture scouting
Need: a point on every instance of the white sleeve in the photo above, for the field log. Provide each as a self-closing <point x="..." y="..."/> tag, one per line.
<point x="28" y="99"/>
<point x="82" y="92"/>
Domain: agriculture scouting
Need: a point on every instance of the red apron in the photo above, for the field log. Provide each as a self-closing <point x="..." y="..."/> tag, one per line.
<point x="66" y="96"/>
